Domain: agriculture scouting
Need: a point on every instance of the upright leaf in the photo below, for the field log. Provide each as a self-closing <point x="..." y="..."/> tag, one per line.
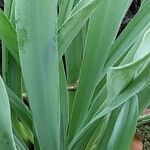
<point x="123" y="43"/>
<point x="73" y="63"/>
<point x="101" y="35"/>
<point x="21" y="109"/>
<point x="65" y="9"/>
<point x="8" y="36"/>
<point x="64" y="106"/>
<point x="37" y="41"/>
<point x="73" y="24"/>
<point x="134" y="87"/>
<point x="125" y="126"/>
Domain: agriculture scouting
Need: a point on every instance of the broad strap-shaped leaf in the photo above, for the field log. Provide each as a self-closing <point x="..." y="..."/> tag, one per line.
<point x="97" y="134"/>
<point x="119" y="120"/>
<point x="20" y="108"/>
<point x="64" y="106"/>
<point x="8" y="36"/>
<point x="81" y="5"/>
<point x="131" y="33"/>
<point x="73" y="25"/>
<point x="102" y="139"/>
<point x="140" y="46"/>
<point x="144" y="2"/>
<point x="11" y="70"/>
<point x="6" y="135"/>
<point x="65" y="9"/>
<point x="98" y="103"/>
<point x="117" y="80"/>
<point x="101" y="35"/>
<point x="20" y="144"/>
<point x="119" y="77"/>
<point x="73" y="57"/>
<point x="125" y="126"/>
<point x="37" y="41"/>
<point x="137" y="85"/>
<point x="144" y="99"/>
<point x="108" y="141"/>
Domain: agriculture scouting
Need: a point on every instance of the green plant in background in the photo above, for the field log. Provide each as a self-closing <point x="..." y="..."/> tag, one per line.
<point x="85" y="86"/>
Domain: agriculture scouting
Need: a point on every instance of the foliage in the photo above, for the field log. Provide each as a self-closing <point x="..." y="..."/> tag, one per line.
<point x="69" y="79"/>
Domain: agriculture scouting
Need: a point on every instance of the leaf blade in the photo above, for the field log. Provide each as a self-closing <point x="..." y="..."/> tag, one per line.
<point x="37" y="41"/>
<point x="6" y="135"/>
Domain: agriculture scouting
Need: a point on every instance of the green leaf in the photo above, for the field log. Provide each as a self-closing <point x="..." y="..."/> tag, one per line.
<point x="20" y="108"/>
<point x="19" y="143"/>
<point x="118" y="135"/>
<point x="80" y="5"/>
<point x="138" y="84"/>
<point x="125" y="126"/>
<point x="8" y="36"/>
<point x="144" y="99"/>
<point x="73" y="63"/>
<point x="64" y="105"/>
<point x="101" y="35"/>
<point x="111" y="118"/>
<point x="98" y="133"/>
<point x="37" y="41"/>
<point x="6" y="135"/>
<point x="11" y="70"/>
<point x="119" y="77"/>
<point x="98" y="104"/>
<point x="136" y="27"/>
<point x="142" y="120"/>
<point x="117" y="80"/>
<point x="73" y="25"/>
<point x="141" y="45"/>
<point x="65" y="9"/>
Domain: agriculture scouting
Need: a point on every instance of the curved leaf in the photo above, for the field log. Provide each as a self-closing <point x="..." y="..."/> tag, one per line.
<point x="6" y="135"/>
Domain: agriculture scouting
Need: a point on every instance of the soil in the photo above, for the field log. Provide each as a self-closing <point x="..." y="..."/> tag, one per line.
<point x="137" y="144"/>
<point x="1" y="4"/>
<point x="144" y="134"/>
<point x="130" y="14"/>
